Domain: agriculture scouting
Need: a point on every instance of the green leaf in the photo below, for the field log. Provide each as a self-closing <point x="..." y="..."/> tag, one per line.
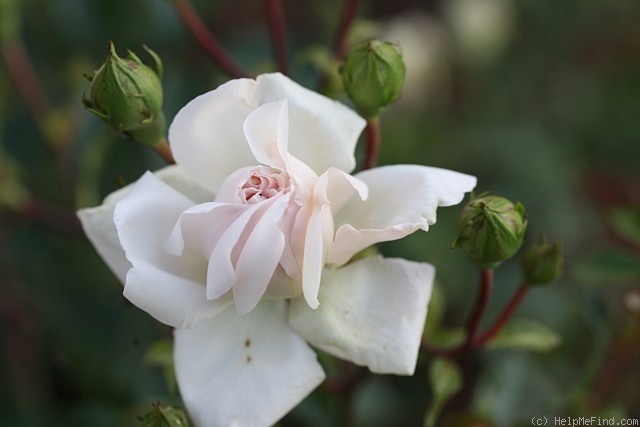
<point x="446" y="337"/>
<point x="609" y="266"/>
<point x="626" y="222"/>
<point x="446" y="380"/>
<point x="160" y="354"/>
<point x="435" y="312"/>
<point x="164" y="416"/>
<point x="526" y="334"/>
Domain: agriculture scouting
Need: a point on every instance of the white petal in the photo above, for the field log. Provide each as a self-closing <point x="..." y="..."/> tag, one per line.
<point x="173" y="300"/>
<point x="101" y="231"/>
<point x="99" y="227"/>
<point x="207" y="137"/>
<point x="371" y="312"/>
<point x="259" y="258"/>
<point x="267" y="131"/>
<point x="322" y="132"/>
<point x="168" y="287"/>
<point x="402" y="199"/>
<point x="246" y="370"/>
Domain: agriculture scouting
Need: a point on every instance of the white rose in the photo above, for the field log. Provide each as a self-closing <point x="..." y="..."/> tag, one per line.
<point x="243" y="248"/>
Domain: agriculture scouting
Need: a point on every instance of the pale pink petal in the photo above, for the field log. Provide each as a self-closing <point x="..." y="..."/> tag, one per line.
<point x="322" y="132"/>
<point x="246" y="370"/>
<point x="267" y="131"/>
<point x="337" y="188"/>
<point x="221" y="274"/>
<point x="402" y="199"/>
<point x="314" y="253"/>
<point x="206" y="136"/>
<point x="259" y="257"/>
<point x="199" y="225"/>
<point x="371" y="312"/>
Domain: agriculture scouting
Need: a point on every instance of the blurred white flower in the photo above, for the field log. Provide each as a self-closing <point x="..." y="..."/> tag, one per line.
<point x="423" y="42"/>
<point x="243" y="247"/>
<point x="481" y="29"/>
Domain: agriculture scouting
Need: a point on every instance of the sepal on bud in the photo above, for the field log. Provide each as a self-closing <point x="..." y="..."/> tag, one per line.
<point x="542" y="262"/>
<point x="490" y="230"/>
<point x="373" y="75"/>
<point x="164" y="416"/>
<point x="127" y="95"/>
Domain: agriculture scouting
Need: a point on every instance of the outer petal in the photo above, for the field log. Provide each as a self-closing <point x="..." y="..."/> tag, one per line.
<point x="402" y="199"/>
<point x="244" y="370"/>
<point x="322" y="132"/>
<point x="206" y="135"/>
<point x="98" y="223"/>
<point x="170" y="288"/>
<point x="371" y="312"/>
<point x="101" y="231"/>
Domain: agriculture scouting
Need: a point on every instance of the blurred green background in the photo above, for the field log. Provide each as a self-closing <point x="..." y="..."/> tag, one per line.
<point x="539" y="99"/>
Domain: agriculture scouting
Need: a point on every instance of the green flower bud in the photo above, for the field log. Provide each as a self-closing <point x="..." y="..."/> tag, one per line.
<point x="490" y="230"/>
<point x="164" y="416"/>
<point x="373" y="76"/>
<point x="127" y="95"/>
<point x="542" y="262"/>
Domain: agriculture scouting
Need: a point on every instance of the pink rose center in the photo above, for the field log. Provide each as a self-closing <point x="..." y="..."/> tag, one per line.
<point x="264" y="183"/>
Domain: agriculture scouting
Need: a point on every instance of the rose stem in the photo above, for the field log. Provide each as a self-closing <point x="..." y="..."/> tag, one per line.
<point x="25" y="80"/>
<point x="348" y="14"/>
<point x="504" y="317"/>
<point x="346" y="19"/>
<point x="486" y="284"/>
<point x="372" y="132"/>
<point x="164" y="151"/>
<point x="207" y="40"/>
<point x="625" y="351"/>
<point x="278" y="34"/>
<point x="27" y="84"/>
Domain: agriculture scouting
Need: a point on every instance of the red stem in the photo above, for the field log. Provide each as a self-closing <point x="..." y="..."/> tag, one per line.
<point x="349" y="10"/>
<point x="372" y="132"/>
<point x="207" y="40"/>
<point x="278" y="34"/>
<point x="486" y="285"/>
<point x="25" y="80"/>
<point x="504" y="317"/>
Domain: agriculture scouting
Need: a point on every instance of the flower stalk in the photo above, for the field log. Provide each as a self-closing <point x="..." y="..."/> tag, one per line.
<point x="482" y="301"/>
<point x="503" y="318"/>
<point x="207" y="40"/>
<point x="372" y="132"/>
<point x="349" y="9"/>
<point x="275" y="12"/>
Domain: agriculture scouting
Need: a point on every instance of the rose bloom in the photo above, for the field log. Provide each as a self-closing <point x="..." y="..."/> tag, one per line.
<point x="244" y="247"/>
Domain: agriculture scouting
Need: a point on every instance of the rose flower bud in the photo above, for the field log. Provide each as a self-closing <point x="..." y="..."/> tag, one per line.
<point x="490" y="230"/>
<point x="127" y="95"/>
<point x="542" y="263"/>
<point x="373" y="76"/>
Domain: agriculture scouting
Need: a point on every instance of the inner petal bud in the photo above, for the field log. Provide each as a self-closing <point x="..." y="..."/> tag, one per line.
<point x="264" y="183"/>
